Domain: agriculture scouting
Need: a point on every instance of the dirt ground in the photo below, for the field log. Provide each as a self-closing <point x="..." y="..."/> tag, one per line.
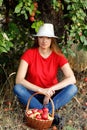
<point x="74" y="113"/>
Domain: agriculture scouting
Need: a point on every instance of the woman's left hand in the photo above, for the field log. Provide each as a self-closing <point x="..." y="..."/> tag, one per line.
<point x="50" y="92"/>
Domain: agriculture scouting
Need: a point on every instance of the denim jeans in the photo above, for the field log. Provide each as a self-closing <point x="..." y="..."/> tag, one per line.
<point x="60" y="98"/>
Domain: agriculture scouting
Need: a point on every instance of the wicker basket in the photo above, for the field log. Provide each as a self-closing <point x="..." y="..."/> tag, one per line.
<point x="39" y="124"/>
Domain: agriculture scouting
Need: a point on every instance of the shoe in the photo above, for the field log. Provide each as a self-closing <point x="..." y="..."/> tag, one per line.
<point x="58" y="121"/>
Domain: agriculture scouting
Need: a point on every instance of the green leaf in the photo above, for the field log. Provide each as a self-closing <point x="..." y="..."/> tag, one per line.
<point x="67" y="1"/>
<point x="85" y="33"/>
<point x="85" y="42"/>
<point x="2" y="49"/>
<point x="36" y="25"/>
<point x="79" y="47"/>
<point x="84" y="48"/>
<point x="69" y="7"/>
<point x="82" y="38"/>
<point x="18" y="7"/>
<point x="26" y="17"/>
<point x="1" y="1"/>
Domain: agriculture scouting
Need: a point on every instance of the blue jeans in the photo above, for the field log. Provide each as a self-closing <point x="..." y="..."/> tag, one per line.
<point x="60" y="98"/>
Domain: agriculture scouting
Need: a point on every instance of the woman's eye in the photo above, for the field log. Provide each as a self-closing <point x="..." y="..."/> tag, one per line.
<point x="49" y="38"/>
<point x="40" y="37"/>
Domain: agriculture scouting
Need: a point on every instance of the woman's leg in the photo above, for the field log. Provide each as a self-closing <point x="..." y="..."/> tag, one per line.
<point x="23" y="95"/>
<point x="63" y="97"/>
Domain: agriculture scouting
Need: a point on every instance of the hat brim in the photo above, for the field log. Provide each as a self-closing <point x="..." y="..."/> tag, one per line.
<point x="45" y="36"/>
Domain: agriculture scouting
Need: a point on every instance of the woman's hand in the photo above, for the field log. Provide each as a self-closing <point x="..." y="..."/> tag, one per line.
<point x="45" y="100"/>
<point x="49" y="92"/>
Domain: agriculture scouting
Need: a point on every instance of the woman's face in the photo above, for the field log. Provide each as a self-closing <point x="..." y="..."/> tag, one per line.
<point x="44" y="42"/>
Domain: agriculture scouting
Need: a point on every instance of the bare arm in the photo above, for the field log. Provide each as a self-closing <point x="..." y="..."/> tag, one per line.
<point x="69" y="78"/>
<point x="20" y="77"/>
<point x="21" y="74"/>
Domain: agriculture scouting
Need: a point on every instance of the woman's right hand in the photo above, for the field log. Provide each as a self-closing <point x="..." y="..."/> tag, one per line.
<point x="45" y="100"/>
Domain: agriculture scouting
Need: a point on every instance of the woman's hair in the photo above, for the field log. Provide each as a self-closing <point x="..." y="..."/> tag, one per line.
<point x="54" y="47"/>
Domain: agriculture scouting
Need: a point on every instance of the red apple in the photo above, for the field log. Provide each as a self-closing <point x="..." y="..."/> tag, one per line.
<point x="85" y="103"/>
<point x="31" y="115"/>
<point x="45" y="109"/>
<point x="35" y="4"/>
<point x="32" y="18"/>
<point x="85" y="79"/>
<point x="34" y="110"/>
<point x="44" y="116"/>
<point x="40" y="111"/>
<point x="38" y="116"/>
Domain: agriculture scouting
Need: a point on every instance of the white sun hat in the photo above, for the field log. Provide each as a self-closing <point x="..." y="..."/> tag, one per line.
<point x="47" y="29"/>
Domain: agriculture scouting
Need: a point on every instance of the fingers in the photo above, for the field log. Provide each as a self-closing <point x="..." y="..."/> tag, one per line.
<point x="50" y="92"/>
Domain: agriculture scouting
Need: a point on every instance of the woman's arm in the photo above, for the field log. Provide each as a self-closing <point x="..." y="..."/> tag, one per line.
<point x="20" y="77"/>
<point x="68" y="79"/>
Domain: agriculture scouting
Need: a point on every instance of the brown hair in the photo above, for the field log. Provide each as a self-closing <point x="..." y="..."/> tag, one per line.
<point x="54" y="47"/>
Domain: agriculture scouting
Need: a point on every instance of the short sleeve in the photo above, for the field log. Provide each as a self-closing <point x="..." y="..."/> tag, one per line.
<point x="63" y="60"/>
<point x="27" y="56"/>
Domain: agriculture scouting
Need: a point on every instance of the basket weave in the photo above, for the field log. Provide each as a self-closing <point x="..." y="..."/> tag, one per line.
<point x="35" y="123"/>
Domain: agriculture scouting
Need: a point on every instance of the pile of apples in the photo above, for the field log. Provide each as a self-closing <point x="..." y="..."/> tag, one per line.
<point x="32" y="15"/>
<point x="40" y="114"/>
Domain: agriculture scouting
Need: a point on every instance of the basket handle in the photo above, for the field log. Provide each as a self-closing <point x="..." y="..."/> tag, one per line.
<point x="27" y="107"/>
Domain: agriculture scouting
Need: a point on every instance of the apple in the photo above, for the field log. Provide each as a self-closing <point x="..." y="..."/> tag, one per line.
<point x="35" y="4"/>
<point x="34" y="110"/>
<point x="38" y="116"/>
<point x="31" y="115"/>
<point x="33" y="13"/>
<point x="29" y="112"/>
<point x="54" y="128"/>
<point x="45" y="116"/>
<point x="85" y="79"/>
<point x="40" y="111"/>
<point x="32" y="18"/>
<point x="45" y="109"/>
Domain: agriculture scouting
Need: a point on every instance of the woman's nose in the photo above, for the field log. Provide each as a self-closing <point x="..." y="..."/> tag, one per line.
<point x="44" y="39"/>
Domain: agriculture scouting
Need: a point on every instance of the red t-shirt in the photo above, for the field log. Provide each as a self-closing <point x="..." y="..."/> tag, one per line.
<point x="43" y="71"/>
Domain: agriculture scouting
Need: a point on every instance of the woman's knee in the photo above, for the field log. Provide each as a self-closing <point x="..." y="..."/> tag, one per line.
<point x="18" y="89"/>
<point x="73" y="89"/>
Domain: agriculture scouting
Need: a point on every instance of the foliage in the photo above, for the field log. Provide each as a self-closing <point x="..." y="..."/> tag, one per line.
<point x="76" y="27"/>
<point x="5" y="43"/>
<point x="69" y="128"/>
<point x="28" y="8"/>
<point x="74" y="16"/>
<point x="36" y="25"/>
<point x="24" y="7"/>
<point x="1" y="1"/>
<point x="56" y="4"/>
<point x="25" y="19"/>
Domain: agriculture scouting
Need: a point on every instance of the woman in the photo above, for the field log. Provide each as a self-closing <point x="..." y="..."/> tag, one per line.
<point x="38" y="69"/>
